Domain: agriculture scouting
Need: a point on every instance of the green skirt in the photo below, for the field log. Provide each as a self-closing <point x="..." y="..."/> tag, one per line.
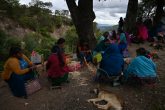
<point x="58" y="81"/>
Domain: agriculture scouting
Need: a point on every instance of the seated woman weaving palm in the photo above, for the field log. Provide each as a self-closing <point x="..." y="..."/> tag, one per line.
<point x="112" y="62"/>
<point x="141" y="69"/>
<point x="57" y="69"/>
<point x="17" y="70"/>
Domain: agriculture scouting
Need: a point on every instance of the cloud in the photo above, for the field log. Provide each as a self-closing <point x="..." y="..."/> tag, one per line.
<point x="24" y="1"/>
<point x="107" y="12"/>
<point x="57" y="4"/>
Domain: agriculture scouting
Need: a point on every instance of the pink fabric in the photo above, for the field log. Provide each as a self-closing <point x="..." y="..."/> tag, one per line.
<point x="54" y="68"/>
<point x="74" y="66"/>
<point x="143" y="32"/>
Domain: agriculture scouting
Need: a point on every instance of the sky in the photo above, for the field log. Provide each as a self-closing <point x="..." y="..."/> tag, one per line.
<point x="107" y="12"/>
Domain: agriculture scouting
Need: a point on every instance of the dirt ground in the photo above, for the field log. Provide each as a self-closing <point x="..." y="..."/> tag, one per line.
<point x="73" y="95"/>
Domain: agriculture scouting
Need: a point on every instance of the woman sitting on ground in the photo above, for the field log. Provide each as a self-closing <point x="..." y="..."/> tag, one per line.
<point x="102" y="45"/>
<point x="100" y="48"/>
<point x="141" y="68"/>
<point x="17" y="70"/>
<point x="56" y="66"/>
<point x="112" y="62"/>
<point x="84" y="53"/>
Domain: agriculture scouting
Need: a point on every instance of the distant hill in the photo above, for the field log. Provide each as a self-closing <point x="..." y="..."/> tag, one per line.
<point x="114" y="27"/>
<point x="103" y="27"/>
<point x="107" y="27"/>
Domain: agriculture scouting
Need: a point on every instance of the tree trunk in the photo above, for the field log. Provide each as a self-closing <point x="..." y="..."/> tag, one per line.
<point x="131" y="15"/>
<point x="83" y="16"/>
<point x="159" y="11"/>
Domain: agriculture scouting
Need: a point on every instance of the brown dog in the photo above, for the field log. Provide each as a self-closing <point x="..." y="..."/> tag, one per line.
<point x="111" y="99"/>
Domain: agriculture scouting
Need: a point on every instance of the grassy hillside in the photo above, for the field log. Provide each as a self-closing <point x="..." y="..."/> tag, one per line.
<point x="32" y="27"/>
<point x="35" y="27"/>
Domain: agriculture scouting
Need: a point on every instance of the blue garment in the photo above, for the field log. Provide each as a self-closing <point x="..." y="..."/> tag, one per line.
<point x="88" y="57"/>
<point x="141" y="67"/>
<point x="17" y="84"/>
<point x="23" y="63"/>
<point x="112" y="61"/>
<point x="101" y="46"/>
<point x="123" y="38"/>
<point x="122" y="47"/>
<point x="123" y="43"/>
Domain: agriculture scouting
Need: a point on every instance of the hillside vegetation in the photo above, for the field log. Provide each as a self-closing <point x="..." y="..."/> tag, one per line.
<point x="35" y="27"/>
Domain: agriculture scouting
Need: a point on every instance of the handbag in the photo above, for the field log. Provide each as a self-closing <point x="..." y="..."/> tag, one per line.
<point x="32" y="86"/>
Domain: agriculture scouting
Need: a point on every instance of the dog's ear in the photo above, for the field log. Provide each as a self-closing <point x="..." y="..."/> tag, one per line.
<point x="96" y="91"/>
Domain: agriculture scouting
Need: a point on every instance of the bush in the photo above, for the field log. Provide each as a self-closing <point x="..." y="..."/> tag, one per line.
<point x="44" y="32"/>
<point x="31" y="41"/>
<point x="71" y="40"/>
<point x="58" y="21"/>
<point x="29" y="22"/>
<point x="45" y="46"/>
<point x="6" y="42"/>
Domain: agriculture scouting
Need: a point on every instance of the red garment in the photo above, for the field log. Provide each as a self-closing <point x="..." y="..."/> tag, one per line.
<point x="55" y="70"/>
<point x="142" y="32"/>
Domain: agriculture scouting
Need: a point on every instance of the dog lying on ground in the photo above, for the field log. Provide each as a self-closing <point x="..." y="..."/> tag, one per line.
<point x="112" y="100"/>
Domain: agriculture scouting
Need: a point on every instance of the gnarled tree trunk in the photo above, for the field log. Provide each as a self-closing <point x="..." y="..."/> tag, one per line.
<point x="83" y="16"/>
<point x="131" y="16"/>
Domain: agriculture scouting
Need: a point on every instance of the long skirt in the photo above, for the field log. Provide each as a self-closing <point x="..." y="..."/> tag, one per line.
<point x="58" y="81"/>
<point x="135" y="80"/>
<point x="17" y="83"/>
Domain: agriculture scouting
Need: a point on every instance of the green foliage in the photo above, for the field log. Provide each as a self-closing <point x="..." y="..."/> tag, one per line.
<point x="40" y="4"/>
<point x="44" y="32"/>
<point x="71" y="38"/>
<point x="31" y="41"/>
<point x="8" y="6"/>
<point x="57" y="12"/>
<point x="58" y="21"/>
<point x="45" y="46"/>
<point x="46" y="22"/>
<point x="29" y="22"/>
<point x="12" y="41"/>
<point x="39" y="43"/>
<point x="6" y="43"/>
<point x="66" y="21"/>
<point x="147" y="8"/>
<point x="3" y="52"/>
<point x="38" y="17"/>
